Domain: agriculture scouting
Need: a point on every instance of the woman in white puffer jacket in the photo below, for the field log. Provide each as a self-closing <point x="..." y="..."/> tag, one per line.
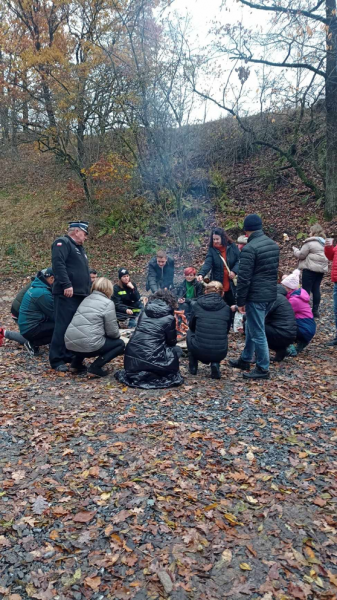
<point x="94" y="330"/>
<point x="313" y="263"/>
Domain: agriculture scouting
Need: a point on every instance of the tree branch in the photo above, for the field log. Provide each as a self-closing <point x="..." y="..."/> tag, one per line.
<point x="287" y="11"/>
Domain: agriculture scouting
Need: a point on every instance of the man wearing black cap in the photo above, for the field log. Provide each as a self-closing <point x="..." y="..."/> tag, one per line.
<point x="126" y="298"/>
<point x="72" y="284"/>
<point x="256" y="293"/>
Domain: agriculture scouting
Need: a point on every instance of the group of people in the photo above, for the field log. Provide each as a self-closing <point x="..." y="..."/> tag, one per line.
<point x="80" y="314"/>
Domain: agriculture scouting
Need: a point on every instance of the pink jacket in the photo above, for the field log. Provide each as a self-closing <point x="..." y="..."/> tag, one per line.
<point x="300" y="301"/>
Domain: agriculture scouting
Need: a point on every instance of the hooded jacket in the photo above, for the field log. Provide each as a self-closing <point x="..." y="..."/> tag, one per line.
<point x="311" y="256"/>
<point x="300" y="302"/>
<point x="94" y="321"/>
<point x="150" y="347"/>
<point x="209" y="326"/>
<point x="70" y="267"/>
<point x="306" y="326"/>
<point x="331" y="254"/>
<point x="37" y="305"/>
<point x="214" y="263"/>
<point x="257" y="278"/>
<point x="280" y="323"/>
<point x="159" y="278"/>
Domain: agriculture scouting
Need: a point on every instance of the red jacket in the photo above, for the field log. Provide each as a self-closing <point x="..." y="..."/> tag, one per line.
<point x="331" y="254"/>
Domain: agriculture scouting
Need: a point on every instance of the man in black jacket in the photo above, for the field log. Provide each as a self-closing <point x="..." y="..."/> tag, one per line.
<point x="160" y="272"/>
<point x="256" y="293"/>
<point x="72" y="284"/>
<point x="281" y="327"/>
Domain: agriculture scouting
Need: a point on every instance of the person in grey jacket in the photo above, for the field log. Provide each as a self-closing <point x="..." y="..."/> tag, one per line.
<point x="313" y="263"/>
<point x="94" y="331"/>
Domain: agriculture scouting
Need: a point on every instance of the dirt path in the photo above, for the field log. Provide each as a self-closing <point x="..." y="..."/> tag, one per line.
<point x="209" y="491"/>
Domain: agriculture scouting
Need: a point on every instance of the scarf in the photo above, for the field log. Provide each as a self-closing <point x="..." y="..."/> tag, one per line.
<point x="226" y="282"/>
<point x="190" y="289"/>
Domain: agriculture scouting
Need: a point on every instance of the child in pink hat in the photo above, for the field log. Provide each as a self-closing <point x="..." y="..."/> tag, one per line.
<point x="300" y="301"/>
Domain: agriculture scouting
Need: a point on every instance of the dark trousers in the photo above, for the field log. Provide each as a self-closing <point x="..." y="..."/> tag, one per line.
<point x="111" y="349"/>
<point x="41" y="335"/>
<point x="64" y="310"/>
<point x="311" y="282"/>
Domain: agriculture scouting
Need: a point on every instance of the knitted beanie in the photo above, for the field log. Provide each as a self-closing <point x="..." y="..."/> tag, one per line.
<point x="293" y="280"/>
<point x="252" y="223"/>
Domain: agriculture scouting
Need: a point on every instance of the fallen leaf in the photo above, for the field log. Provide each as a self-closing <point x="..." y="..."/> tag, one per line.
<point x="93" y="582"/>
<point x="245" y="567"/>
<point x="84" y="517"/>
<point x="40" y="505"/>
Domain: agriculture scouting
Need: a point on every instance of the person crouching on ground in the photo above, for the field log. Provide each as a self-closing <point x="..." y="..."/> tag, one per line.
<point x="280" y="325"/>
<point x="300" y="302"/>
<point x="208" y="328"/>
<point x="126" y="298"/>
<point x="188" y="291"/>
<point x="94" y="331"/>
<point x="36" y="316"/>
<point x="152" y="356"/>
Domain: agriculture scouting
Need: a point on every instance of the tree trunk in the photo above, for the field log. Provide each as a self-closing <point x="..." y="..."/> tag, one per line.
<point x="25" y="109"/>
<point x="331" y="112"/>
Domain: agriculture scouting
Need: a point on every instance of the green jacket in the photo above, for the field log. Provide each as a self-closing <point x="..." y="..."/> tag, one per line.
<point x="37" y="306"/>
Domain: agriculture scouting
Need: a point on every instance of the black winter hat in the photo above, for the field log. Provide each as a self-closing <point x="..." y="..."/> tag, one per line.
<point x="122" y="272"/>
<point x="252" y="223"/>
<point x="47" y="272"/>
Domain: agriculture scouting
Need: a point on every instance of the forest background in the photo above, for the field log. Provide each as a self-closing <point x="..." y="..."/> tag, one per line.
<point x="104" y="114"/>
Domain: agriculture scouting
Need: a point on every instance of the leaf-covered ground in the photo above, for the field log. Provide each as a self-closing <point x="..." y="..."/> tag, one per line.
<point x="209" y="491"/>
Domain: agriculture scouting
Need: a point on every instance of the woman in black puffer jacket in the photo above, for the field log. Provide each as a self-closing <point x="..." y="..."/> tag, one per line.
<point x="152" y="357"/>
<point x="208" y="328"/>
<point x="221" y="248"/>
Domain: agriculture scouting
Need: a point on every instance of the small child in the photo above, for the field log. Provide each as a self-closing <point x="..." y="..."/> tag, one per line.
<point x="241" y="241"/>
<point x="188" y="291"/>
<point x="300" y="302"/>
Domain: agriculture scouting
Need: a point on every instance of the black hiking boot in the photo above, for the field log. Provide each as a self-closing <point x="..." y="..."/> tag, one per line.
<point x="257" y="373"/>
<point x="77" y="366"/>
<point x="333" y="342"/>
<point x="238" y="363"/>
<point x="215" y="371"/>
<point x="95" y="371"/>
<point x="62" y="368"/>
<point x="192" y="364"/>
<point x="279" y="356"/>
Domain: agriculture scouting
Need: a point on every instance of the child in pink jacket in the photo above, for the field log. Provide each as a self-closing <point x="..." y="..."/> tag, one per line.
<point x="300" y="301"/>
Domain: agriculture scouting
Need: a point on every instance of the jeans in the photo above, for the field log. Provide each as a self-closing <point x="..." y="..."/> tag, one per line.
<point x="335" y="304"/>
<point x="311" y="282"/>
<point x="256" y="339"/>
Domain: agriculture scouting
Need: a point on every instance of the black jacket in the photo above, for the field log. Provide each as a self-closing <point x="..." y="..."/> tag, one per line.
<point x="280" y="323"/>
<point x="213" y="262"/>
<point x="209" y="326"/>
<point x="181" y="290"/>
<point x="158" y="278"/>
<point x="150" y="347"/>
<point x="70" y="267"/>
<point x="257" y="277"/>
<point x="125" y="298"/>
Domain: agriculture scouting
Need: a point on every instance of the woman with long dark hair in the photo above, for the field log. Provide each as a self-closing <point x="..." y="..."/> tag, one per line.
<point x="222" y="260"/>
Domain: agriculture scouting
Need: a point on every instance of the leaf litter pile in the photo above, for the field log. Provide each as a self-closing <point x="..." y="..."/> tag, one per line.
<point x="209" y="491"/>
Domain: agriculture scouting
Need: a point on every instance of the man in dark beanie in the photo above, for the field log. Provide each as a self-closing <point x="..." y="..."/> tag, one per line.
<point x="256" y="293"/>
<point x="72" y="284"/>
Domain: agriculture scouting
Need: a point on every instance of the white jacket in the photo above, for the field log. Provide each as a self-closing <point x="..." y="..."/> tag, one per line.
<point x="94" y="321"/>
<point x="311" y="256"/>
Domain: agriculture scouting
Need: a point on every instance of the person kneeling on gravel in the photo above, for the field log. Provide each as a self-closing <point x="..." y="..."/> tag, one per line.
<point x="208" y="328"/>
<point x="94" y="330"/>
